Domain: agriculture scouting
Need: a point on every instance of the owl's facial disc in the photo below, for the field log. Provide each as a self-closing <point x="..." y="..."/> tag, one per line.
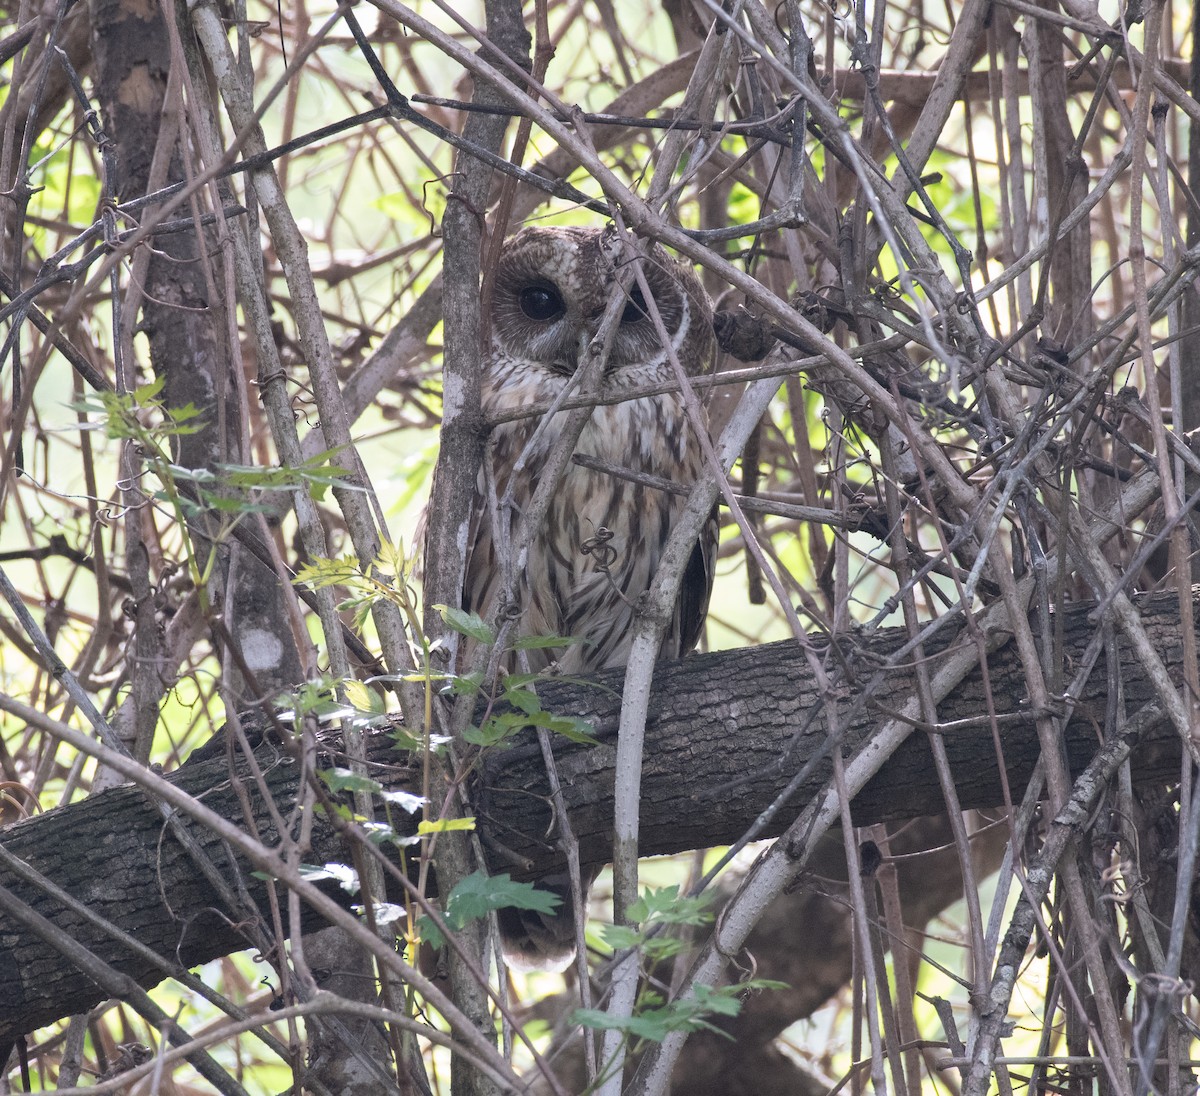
<point x="553" y="287"/>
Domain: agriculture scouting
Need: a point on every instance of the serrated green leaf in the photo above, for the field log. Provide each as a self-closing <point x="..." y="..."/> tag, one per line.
<point x="378" y="833"/>
<point x="654" y="1025"/>
<point x="183" y="414"/>
<point x="658" y="948"/>
<point x="664" y="905"/>
<point x="429" y="932"/>
<point x="492" y="733"/>
<point x="319" y="573"/>
<point x="478" y="894"/>
<point x="573" y="729"/>
<point x="344" y="780"/>
<point x="397" y="205"/>
<point x="467" y="624"/>
<point x="226" y="505"/>
<point x="145" y="393"/>
<point x="406" y="740"/>
<point x="525" y="699"/>
<point x="621" y="937"/>
<point x="463" y="684"/>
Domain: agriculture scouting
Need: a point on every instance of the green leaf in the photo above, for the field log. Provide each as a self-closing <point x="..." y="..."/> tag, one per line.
<point x="363" y="697"/>
<point x="445" y="825"/>
<point x="621" y="937"/>
<point x="429" y="932"/>
<point x="397" y="205"/>
<point x="665" y="906"/>
<point x="463" y="684"/>
<point x="405" y="740"/>
<point x="393" y="560"/>
<point x="654" y="1025"/>
<point x="319" y="573"/>
<point x="227" y="505"/>
<point x="467" y="624"/>
<point x="654" y="948"/>
<point x="344" y="780"/>
<point x="477" y="894"/>
<point x="146" y="393"/>
<point x="493" y="732"/>
<point x="654" y="1020"/>
<point x="572" y="728"/>
<point x="525" y="699"/>
<point x="503" y="725"/>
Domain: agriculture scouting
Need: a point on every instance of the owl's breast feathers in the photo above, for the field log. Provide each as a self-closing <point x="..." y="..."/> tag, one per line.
<point x="603" y="536"/>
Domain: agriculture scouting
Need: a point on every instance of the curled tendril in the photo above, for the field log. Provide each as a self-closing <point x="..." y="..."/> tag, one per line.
<point x="599" y="548"/>
<point x="605" y="555"/>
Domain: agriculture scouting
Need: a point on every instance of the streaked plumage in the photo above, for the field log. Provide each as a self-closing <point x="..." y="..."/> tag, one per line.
<point x="552" y="286"/>
<point x="564" y="591"/>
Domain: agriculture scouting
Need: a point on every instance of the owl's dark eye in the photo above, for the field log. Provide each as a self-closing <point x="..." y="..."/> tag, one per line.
<point x="542" y="303"/>
<point x="636" y="308"/>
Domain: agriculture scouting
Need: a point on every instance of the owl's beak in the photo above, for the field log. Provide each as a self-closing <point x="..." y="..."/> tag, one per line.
<point x="574" y="354"/>
<point x="589" y="328"/>
<point x="587" y="340"/>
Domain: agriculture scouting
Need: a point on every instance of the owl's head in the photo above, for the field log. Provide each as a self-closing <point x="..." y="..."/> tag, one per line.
<point x="553" y="285"/>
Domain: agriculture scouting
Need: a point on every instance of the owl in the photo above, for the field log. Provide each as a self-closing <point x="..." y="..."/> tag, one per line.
<point x="603" y="536"/>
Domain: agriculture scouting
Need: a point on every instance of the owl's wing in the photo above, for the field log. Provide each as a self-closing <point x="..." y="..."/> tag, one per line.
<point x="696" y="588"/>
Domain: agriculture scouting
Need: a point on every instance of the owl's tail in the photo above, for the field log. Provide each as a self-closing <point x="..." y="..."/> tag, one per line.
<point x="542" y="941"/>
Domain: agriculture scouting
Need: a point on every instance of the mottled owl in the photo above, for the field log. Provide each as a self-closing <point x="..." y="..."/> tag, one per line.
<point x="603" y="537"/>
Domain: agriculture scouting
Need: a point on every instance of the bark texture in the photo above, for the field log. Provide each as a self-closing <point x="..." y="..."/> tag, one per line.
<point x="732" y="730"/>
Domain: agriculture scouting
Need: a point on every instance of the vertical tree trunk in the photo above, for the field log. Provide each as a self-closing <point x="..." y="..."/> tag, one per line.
<point x="178" y="289"/>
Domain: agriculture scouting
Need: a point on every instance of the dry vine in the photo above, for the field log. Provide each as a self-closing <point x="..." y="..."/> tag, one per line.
<point x="245" y="266"/>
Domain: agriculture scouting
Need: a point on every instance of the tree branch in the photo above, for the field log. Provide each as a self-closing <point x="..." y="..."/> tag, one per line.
<point x="728" y="732"/>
